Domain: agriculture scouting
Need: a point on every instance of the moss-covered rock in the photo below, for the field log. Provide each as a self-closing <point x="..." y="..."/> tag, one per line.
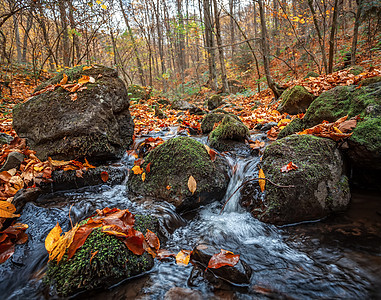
<point x="227" y="131"/>
<point x="320" y="184"/>
<point x="214" y="101"/>
<point x="356" y="70"/>
<point x="311" y="74"/>
<point x="295" y="100"/>
<point x="369" y="81"/>
<point x="208" y="122"/>
<point x="97" y="125"/>
<point x="101" y="262"/>
<point x="294" y="126"/>
<point x="181" y="104"/>
<point x="137" y="92"/>
<point x="171" y="165"/>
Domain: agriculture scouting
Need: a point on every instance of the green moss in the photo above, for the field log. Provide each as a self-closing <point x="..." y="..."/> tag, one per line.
<point x="369" y="81"/>
<point x="294" y="126"/>
<point x="136" y="92"/>
<point x="172" y="163"/>
<point x="208" y="122"/>
<point x="113" y="262"/>
<point x="356" y="70"/>
<point x="294" y="94"/>
<point x="368" y="133"/>
<point x="229" y="129"/>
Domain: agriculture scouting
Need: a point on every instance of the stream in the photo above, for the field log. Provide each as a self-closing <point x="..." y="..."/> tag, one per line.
<point x="336" y="258"/>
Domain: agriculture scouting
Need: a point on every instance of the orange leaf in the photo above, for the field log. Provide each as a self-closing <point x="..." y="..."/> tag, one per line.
<point x="261" y="182"/>
<point x="74" y="96"/>
<point x="7" y="209"/>
<point x="5" y="176"/>
<point x="224" y="258"/>
<point x="84" y="79"/>
<point x="137" y="170"/>
<point x="143" y="176"/>
<point x="64" y="79"/>
<point x="135" y="242"/>
<point x="183" y="257"/>
<point x="104" y="176"/>
<point x="81" y="235"/>
<point x="290" y="166"/>
<point x="52" y="238"/>
<point x="113" y="230"/>
<point x="92" y="255"/>
<point x="86" y="68"/>
<point x="192" y="184"/>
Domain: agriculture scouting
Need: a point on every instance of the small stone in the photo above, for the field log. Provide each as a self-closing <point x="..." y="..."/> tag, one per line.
<point x="14" y="160"/>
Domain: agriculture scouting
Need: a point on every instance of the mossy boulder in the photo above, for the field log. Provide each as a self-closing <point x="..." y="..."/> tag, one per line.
<point x="214" y="102"/>
<point x="311" y="74"/>
<point x="171" y="165"/>
<point x="137" y="92"/>
<point x="235" y="86"/>
<point x="356" y="70"/>
<point x="181" y="104"/>
<point x="228" y="133"/>
<point x="295" y="100"/>
<point x="294" y="126"/>
<point x="320" y="188"/>
<point x="209" y="120"/>
<point x="369" y="81"/>
<point x="96" y="126"/>
<point x="111" y="263"/>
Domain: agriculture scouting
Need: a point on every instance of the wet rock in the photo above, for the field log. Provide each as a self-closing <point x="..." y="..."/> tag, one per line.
<point x="14" y="160"/>
<point x="137" y="92"/>
<point x="171" y="165"/>
<point x="228" y="133"/>
<point x="24" y="196"/>
<point x="177" y="293"/>
<point x="112" y="263"/>
<point x="70" y="180"/>
<point x="181" y="105"/>
<point x="97" y="125"/>
<point x="321" y="187"/>
<point x="224" y="277"/>
<point x="294" y="126"/>
<point x="295" y="100"/>
<point x="214" y="102"/>
<point x="268" y="126"/>
<point x="5" y="138"/>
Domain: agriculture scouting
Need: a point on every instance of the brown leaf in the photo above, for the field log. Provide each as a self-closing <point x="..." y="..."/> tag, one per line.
<point x="162" y="254"/>
<point x="224" y="258"/>
<point x="64" y="79"/>
<point x="192" y="184"/>
<point x="135" y="242"/>
<point x="74" y="96"/>
<point x="5" y="176"/>
<point x="152" y="240"/>
<point x="148" y="168"/>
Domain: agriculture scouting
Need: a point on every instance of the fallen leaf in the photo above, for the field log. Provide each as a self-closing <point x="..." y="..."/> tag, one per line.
<point x="93" y="255"/>
<point x="183" y="257"/>
<point x="104" y="176"/>
<point x="152" y="240"/>
<point x="290" y="166"/>
<point x="192" y="184"/>
<point x="148" y="168"/>
<point x="74" y="96"/>
<point x="137" y="170"/>
<point x="64" y="79"/>
<point x="52" y="238"/>
<point x="163" y="253"/>
<point x="143" y="176"/>
<point x="7" y="209"/>
<point x="261" y="182"/>
<point x="86" y="68"/>
<point x="224" y="258"/>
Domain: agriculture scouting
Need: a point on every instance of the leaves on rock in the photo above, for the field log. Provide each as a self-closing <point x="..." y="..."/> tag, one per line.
<point x="290" y="166"/>
<point x="52" y="238"/>
<point x="224" y="258"/>
<point x="104" y="176"/>
<point x="192" y="184"/>
<point x="262" y="182"/>
<point x="7" y="209"/>
<point x="137" y="170"/>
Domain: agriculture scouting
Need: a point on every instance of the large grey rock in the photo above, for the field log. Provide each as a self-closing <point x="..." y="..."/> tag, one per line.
<point x="320" y="188"/>
<point x="97" y="125"/>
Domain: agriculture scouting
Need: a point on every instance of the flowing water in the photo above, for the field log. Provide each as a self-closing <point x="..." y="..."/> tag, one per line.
<point x="336" y="258"/>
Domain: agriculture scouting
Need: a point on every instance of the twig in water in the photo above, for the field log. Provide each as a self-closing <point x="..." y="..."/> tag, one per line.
<point x="245" y="182"/>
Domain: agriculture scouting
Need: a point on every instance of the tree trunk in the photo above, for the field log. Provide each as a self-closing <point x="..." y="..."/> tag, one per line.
<point x="75" y="51"/>
<point x="139" y="63"/>
<point x="225" y="86"/>
<point x="65" y="35"/>
<point x="17" y="39"/>
<point x="332" y="37"/>
<point x="181" y="39"/>
<point x="266" y="52"/>
<point x="232" y="28"/>
<point x="356" y="31"/>
<point x="209" y="41"/>
<point x="29" y="24"/>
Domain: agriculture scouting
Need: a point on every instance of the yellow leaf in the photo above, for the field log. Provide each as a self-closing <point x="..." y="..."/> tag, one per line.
<point x="137" y="170"/>
<point x="182" y="258"/>
<point x="144" y="176"/>
<point x="52" y="237"/>
<point x="261" y="182"/>
<point x="283" y="122"/>
<point x="104" y="6"/>
<point x="62" y="244"/>
<point x="7" y="209"/>
<point x="38" y="169"/>
<point x="86" y="68"/>
<point x="192" y="184"/>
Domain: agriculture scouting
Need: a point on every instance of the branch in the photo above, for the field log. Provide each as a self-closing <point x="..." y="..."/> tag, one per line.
<point x="247" y="181"/>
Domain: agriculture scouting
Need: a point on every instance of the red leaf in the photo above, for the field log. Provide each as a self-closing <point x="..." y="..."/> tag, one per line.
<point x="81" y="235"/>
<point x="6" y="250"/>
<point x="104" y="176"/>
<point x="224" y="258"/>
<point x="148" y="168"/>
<point x="135" y="242"/>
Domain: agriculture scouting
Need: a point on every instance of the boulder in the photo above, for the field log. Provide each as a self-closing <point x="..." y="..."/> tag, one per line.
<point x="171" y="165"/>
<point x="112" y="263"/>
<point x="356" y="70"/>
<point x="14" y="160"/>
<point x="214" y="102"/>
<point x="96" y="126"/>
<point x="209" y="120"/>
<point x="369" y="81"/>
<point x="177" y="293"/>
<point x="223" y="277"/>
<point x="5" y="138"/>
<point x="321" y="187"/>
<point x="295" y="100"/>
<point x="181" y="105"/>
<point x="159" y="113"/>
<point x="228" y="133"/>
<point x="137" y="92"/>
<point x="235" y="86"/>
